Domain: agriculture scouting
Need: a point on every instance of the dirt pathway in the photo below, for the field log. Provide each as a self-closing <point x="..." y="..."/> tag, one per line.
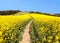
<point x="26" y="36"/>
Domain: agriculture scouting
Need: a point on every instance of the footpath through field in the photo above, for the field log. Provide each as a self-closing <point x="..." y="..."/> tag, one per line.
<point x="26" y="35"/>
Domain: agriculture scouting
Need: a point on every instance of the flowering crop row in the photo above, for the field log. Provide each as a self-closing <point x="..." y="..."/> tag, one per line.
<point x="45" y="29"/>
<point x="11" y="27"/>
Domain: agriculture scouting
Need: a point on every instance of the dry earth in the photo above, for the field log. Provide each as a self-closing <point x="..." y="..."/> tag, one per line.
<point x="26" y="36"/>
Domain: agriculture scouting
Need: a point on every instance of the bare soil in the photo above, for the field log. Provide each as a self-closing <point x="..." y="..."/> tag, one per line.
<point x="26" y="35"/>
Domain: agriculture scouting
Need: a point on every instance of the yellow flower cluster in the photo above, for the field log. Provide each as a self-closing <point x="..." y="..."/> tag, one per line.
<point x="47" y="28"/>
<point x="9" y="27"/>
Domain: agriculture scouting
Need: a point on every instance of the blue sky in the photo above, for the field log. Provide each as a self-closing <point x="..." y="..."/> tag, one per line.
<point x="49" y="6"/>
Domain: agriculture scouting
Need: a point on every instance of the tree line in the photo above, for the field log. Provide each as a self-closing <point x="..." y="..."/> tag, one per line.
<point x="57" y="14"/>
<point x="9" y="12"/>
<point x="13" y="12"/>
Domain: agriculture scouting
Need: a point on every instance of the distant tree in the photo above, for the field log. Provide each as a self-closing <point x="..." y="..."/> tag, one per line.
<point x="57" y="15"/>
<point x="9" y="12"/>
<point x="36" y="12"/>
<point x="31" y="11"/>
